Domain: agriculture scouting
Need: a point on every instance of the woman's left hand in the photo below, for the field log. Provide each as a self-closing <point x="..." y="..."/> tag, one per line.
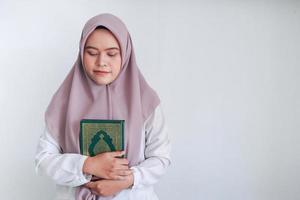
<point x="109" y="187"/>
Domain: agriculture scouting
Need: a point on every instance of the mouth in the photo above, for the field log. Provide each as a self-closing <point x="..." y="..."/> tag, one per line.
<point x="100" y="72"/>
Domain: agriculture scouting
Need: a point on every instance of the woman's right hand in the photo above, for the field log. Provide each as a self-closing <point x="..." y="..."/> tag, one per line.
<point x="107" y="165"/>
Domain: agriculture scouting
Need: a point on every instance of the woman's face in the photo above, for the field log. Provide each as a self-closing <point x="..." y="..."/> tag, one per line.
<point x="102" y="56"/>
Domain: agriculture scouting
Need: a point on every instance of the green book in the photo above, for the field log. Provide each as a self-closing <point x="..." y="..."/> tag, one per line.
<point x="98" y="136"/>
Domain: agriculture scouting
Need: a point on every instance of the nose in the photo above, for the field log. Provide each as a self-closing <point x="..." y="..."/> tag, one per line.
<point x="100" y="60"/>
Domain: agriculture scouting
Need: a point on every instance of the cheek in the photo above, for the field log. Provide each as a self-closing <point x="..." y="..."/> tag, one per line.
<point x="117" y="66"/>
<point x="88" y="63"/>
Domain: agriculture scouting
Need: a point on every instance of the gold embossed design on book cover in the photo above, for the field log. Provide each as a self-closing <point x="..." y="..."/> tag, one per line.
<point x="98" y="136"/>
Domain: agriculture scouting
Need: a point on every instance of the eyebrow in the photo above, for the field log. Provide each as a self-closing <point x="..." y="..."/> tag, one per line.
<point x="110" y="48"/>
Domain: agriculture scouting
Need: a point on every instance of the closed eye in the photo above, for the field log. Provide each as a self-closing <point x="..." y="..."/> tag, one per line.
<point x="92" y="54"/>
<point x="112" y="54"/>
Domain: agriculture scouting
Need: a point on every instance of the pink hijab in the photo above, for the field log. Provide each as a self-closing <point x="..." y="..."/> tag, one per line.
<point x="128" y="97"/>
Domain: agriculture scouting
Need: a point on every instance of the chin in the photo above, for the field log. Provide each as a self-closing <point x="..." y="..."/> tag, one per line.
<point x="102" y="82"/>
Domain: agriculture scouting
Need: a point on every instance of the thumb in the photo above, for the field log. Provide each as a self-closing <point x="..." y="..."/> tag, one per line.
<point x="90" y="185"/>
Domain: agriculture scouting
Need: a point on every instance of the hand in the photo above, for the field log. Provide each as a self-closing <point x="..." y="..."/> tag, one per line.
<point x="107" y="165"/>
<point x="109" y="187"/>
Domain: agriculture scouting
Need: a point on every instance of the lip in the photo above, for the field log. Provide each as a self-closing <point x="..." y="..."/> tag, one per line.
<point x="101" y="72"/>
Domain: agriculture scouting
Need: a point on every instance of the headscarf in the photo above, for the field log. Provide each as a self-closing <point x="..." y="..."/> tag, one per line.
<point x="128" y="97"/>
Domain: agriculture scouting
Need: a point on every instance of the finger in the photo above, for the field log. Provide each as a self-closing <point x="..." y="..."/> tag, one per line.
<point x="122" y="161"/>
<point x="117" y="153"/>
<point x="89" y="185"/>
<point x="120" y="174"/>
<point x="124" y="172"/>
<point x="119" y="178"/>
<point x="119" y="167"/>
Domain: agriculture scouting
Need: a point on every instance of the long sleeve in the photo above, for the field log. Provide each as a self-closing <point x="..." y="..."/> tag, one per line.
<point x="157" y="152"/>
<point x="63" y="168"/>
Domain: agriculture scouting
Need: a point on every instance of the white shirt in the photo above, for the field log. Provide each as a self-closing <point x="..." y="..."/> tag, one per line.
<point x="65" y="169"/>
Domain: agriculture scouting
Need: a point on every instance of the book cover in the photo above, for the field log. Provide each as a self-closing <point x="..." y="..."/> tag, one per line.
<point x="98" y="136"/>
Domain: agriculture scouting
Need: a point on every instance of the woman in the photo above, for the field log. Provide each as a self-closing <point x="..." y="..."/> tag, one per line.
<point x="104" y="83"/>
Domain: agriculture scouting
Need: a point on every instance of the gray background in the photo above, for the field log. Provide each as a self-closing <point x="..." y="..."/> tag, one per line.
<point x="227" y="73"/>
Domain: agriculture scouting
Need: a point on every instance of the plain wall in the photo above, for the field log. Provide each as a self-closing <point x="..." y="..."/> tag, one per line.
<point x="227" y="73"/>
